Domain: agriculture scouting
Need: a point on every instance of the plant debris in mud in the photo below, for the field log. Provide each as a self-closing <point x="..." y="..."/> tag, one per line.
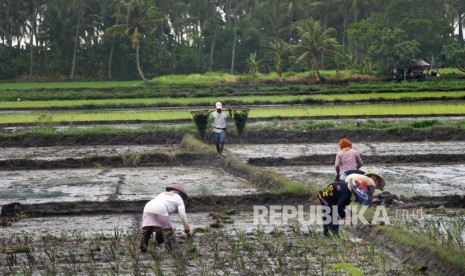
<point x="285" y="251"/>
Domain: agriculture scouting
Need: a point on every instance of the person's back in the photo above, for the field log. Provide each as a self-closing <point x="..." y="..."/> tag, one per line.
<point x="347" y="158"/>
<point x="165" y="204"/>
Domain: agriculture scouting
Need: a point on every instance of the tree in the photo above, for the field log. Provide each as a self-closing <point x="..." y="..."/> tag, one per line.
<point x="138" y="16"/>
<point x="253" y="63"/>
<point x="455" y="55"/>
<point x="33" y="21"/>
<point x="455" y="13"/>
<point x="275" y="51"/>
<point x="383" y="45"/>
<point x="76" y="37"/>
<point x="314" y="42"/>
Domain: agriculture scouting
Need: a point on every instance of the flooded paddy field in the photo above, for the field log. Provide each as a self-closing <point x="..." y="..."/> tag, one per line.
<point x="103" y="184"/>
<point x="406" y="179"/>
<point x="79" y="152"/>
<point x="402" y="180"/>
<point x="291" y="150"/>
<point x="107" y="243"/>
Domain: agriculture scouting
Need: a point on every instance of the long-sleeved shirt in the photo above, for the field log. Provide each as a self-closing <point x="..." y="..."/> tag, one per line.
<point x="348" y="160"/>
<point x="336" y="193"/>
<point x="165" y="204"/>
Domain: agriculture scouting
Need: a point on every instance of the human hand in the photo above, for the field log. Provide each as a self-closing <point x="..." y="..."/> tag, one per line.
<point x="187" y="229"/>
<point x="189" y="238"/>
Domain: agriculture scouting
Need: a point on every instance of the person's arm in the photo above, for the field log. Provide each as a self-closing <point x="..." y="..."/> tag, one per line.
<point x="371" y="192"/>
<point x="337" y="164"/>
<point x="359" y="160"/>
<point x="183" y="216"/>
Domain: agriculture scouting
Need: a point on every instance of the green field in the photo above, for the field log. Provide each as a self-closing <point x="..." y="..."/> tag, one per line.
<point x="250" y="100"/>
<point x="257" y="113"/>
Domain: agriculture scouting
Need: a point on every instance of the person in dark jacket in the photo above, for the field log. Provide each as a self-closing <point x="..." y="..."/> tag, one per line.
<point x="339" y="193"/>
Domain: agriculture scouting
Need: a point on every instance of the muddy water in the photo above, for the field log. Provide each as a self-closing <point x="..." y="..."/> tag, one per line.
<point x="402" y="179"/>
<point x="76" y="152"/>
<point x="405" y="180"/>
<point x="93" y="242"/>
<point x="106" y="224"/>
<point x="99" y="184"/>
<point x="39" y="186"/>
<point x="240" y="151"/>
<point x="246" y="151"/>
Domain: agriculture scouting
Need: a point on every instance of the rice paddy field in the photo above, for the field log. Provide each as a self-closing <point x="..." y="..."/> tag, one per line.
<point x="71" y="200"/>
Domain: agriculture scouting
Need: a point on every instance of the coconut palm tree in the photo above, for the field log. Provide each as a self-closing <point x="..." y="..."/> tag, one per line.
<point x="139" y="17"/>
<point x="80" y="11"/>
<point x="313" y="43"/>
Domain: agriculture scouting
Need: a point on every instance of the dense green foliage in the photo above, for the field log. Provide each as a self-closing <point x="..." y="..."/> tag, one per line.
<point x="130" y="39"/>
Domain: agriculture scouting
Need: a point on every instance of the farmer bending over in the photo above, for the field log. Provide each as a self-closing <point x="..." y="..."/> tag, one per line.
<point x="368" y="182"/>
<point x="339" y="194"/>
<point x="156" y="216"/>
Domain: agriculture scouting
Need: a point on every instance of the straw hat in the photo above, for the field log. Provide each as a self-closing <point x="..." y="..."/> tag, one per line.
<point x="178" y="187"/>
<point x="381" y="180"/>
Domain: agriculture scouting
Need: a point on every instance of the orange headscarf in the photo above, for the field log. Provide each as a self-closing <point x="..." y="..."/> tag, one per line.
<point x="345" y="144"/>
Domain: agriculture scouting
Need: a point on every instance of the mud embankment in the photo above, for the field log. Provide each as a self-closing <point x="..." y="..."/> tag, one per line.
<point x="440" y="133"/>
<point x="210" y="203"/>
<point x="128" y="160"/>
<point x="328" y="159"/>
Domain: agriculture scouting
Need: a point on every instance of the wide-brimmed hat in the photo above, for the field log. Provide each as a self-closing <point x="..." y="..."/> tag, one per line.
<point x="219" y="105"/>
<point x="178" y="187"/>
<point x="381" y="179"/>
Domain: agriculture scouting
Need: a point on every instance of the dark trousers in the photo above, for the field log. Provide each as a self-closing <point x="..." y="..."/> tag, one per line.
<point x="147" y="234"/>
<point x="331" y="228"/>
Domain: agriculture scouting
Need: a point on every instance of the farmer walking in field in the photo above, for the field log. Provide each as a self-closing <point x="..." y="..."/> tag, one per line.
<point x="347" y="158"/>
<point x="219" y="128"/>
<point x="156" y="217"/>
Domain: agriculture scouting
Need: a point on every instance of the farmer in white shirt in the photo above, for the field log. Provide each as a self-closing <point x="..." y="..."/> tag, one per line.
<point x="156" y="216"/>
<point x="219" y="128"/>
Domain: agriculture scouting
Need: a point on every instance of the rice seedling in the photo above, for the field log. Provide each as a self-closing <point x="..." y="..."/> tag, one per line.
<point x="288" y="250"/>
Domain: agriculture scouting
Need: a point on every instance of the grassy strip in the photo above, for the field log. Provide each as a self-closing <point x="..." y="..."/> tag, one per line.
<point x="264" y="179"/>
<point x="259" y="112"/>
<point x="191" y="144"/>
<point x="449" y="255"/>
<point x="87" y="133"/>
<point x="380" y="125"/>
<point x="207" y="101"/>
<point x="221" y="90"/>
<point x="47" y="130"/>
